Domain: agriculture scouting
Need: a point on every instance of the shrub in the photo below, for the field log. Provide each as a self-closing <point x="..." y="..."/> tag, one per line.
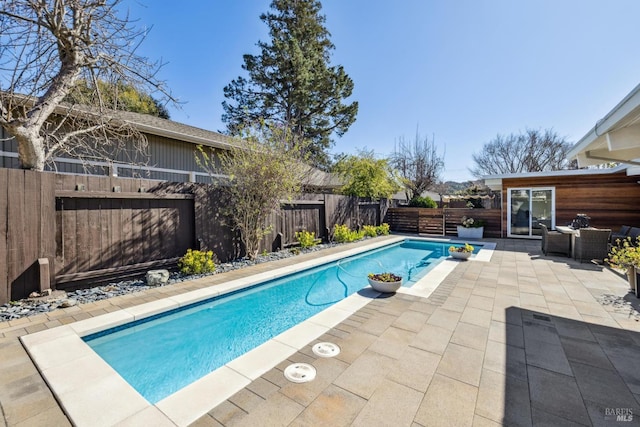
<point x="306" y="239"/>
<point x="197" y="262"/>
<point x="370" y="230"/>
<point x="422" y="202"/>
<point x="383" y="229"/>
<point x="342" y="234"/>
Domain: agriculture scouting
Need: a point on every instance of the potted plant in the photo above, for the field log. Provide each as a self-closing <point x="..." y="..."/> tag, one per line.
<point x="461" y="252"/>
<point x="385" y="282"/>
<point x="471" y="228"/>
<point x="626" y="256"/>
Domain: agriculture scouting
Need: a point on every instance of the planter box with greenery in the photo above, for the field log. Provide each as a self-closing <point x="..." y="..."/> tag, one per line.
<point x="471" y="228"/>
<point x="385" y="282"/>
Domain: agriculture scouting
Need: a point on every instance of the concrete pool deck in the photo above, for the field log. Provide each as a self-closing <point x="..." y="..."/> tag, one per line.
<point x="519" y="337"/>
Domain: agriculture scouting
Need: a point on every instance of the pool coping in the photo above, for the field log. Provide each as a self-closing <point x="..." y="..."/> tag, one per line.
<point x="93" y="393"/>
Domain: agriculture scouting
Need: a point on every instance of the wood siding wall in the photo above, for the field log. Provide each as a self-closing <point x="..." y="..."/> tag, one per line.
<point x="441" y="221"/>
<point x="166" y="153"/>
<point x="611" y="200"/>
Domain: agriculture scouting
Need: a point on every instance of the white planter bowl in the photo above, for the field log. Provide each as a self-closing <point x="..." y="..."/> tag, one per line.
<point x="459" y="255"/>
<point x="385" y="286"/>
<point x="470" y="233"/>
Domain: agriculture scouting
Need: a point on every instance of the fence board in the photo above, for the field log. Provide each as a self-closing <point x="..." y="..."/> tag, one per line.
<point x="441" y="221"/>
<point x="5" y="293"/>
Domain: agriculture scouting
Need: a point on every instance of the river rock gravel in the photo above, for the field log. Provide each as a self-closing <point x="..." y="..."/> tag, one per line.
<point x="60" y="299"/>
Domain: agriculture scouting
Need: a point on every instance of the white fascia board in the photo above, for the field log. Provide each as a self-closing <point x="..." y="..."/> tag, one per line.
<point x="625" y="107"/>
<point x="564" y="172"/>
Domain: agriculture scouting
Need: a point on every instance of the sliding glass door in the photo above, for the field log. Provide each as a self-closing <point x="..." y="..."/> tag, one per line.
<point x="528" y="208"/>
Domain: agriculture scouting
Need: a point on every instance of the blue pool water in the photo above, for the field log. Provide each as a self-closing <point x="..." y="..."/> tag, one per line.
<point x="163" y="354"/>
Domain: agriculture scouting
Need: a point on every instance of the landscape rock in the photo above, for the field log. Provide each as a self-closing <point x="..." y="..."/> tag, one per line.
<point x="157" y="277"/>
<point x="69" y="302"/>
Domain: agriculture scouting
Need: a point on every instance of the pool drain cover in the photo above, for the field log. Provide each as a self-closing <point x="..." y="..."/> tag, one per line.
<point x="326" y="349"/>
<point x="300" y="373"/>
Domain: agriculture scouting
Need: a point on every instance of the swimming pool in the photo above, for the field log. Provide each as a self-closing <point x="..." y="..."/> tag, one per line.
<point x="162" y="354"/>
<point x="85" y="385"/>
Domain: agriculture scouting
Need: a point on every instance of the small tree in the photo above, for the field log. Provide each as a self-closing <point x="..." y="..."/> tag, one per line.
<point x="366" y="176"/>
<point x="418" y="164"/>
<point x="263" y="170"/>
<point x="46" y="48"/>
<point x="532" y="151"/>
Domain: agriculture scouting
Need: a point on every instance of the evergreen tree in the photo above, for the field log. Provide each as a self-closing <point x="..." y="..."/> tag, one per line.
<point x="291" y="82"/>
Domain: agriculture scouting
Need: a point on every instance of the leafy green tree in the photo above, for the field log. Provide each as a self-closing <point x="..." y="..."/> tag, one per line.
<point x="291" y="82"/>
<point x="366" y="176"/>
<point x="117" y="96"/>
<point x="263" y="169"/>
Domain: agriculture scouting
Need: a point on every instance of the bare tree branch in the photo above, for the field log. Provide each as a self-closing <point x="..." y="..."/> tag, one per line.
<point x="533" y="151"/>
<point x="46" y="47"/>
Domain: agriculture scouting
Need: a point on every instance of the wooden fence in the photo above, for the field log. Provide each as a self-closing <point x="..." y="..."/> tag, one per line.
<point x="67" y="230"/>
<point x="441" y="221"/>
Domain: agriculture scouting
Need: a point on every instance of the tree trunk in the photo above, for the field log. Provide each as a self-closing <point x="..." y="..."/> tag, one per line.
<point x="30" y="149"/>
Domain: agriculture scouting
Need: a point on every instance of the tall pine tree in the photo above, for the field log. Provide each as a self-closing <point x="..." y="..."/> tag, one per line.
<point x="292" y="82"/>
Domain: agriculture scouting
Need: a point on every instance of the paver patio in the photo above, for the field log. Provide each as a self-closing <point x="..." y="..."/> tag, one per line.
<point x="520" y="340"/>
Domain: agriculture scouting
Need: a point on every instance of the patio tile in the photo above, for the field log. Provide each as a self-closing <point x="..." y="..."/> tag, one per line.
<point x="443" y="318"/>
<point x="604" y="387"/>
<point x="505" y="359"/>
<point x="556" y="394"/>
<point x="476" y="316"/>
<point x="393" y="342"/>
<point x="327" y="371"/>
<point x="587" y="352"/>
<point x="448" y="402"/>
<point x="462" y="363"/>
<point x="365" y="374"/>
<point x="414" y="369"/>
<point x="433" y="339"/>
<point x="378" y="411"/>
<point x="333" y="407"/>
<point x="279" y="410"/>
<point x="469" y="335"/>
<point x="506" y="333"/>
<point x="411" y="320"/>
<point x="481" y="302"/>
<point x="541" y="418"/>
<point x="503" y="399"/>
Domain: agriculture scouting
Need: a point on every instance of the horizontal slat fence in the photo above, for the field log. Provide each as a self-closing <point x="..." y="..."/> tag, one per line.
<point x="440" y="221"/>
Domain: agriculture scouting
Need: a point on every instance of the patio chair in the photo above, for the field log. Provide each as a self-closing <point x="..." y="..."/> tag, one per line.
<point x="554" y="241"/>
<point x="591" y="244"/>
<point x="620" y="235"/>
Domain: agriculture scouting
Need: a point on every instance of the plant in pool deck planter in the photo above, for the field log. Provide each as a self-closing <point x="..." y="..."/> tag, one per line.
<point x="626" y="256"/>
<point x="472" y="223"/>
<point x="385" y="277"/>
<point x="471" y="228"/>
<point x="307" y="239"/>
<point x="197" y="262"/>
<point x="385" y="282"/>
<point x="467" y="248"/>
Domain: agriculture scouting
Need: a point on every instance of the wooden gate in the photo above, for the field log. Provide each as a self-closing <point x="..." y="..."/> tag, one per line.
<point x="100" y="233"/>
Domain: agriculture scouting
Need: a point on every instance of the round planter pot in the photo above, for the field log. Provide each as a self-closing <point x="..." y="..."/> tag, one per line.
<point x="470" y="233"/>
<point x="385" y="286"/>
<point x="459" y="255"/>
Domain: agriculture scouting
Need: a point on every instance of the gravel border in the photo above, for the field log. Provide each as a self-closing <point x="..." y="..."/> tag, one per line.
<point x="60" y="299"/>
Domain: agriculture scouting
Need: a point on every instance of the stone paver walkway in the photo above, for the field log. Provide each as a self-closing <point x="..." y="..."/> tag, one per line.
<point x="520" y="340"/>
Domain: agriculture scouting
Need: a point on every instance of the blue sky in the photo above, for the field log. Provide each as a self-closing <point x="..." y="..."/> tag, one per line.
<point x="461" y="71"/>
